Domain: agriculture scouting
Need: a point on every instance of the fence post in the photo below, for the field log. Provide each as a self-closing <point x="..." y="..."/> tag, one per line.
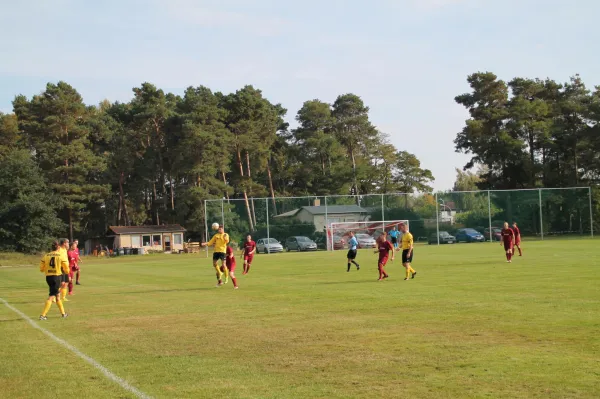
<point x="541" y="216"/>
<point x="382" y="214"/>
<point x="268" y="233"/>
<point x="326" y="226"/>
<point x="591" y="213"/>
<point x="206" y="226"/>
<point x="490" y="214"/>
<point x="437" y="218"/>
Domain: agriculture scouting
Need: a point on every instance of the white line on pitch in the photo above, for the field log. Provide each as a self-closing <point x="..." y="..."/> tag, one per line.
<point x="107" y="373"/>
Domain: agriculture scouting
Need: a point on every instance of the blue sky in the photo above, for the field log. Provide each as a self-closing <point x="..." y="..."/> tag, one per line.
<point x="407" y="59"/>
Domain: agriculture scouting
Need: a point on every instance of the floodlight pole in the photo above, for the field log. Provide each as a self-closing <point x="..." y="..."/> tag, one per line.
<point x="591" y="213"/>
<point x="206" y="226"/>
<point x="268" y="233"/>
<point x="437" y="218"/>
<point x="222" y="213"/>
<point x="541" y="216"/>
<point x="382" y="214"/>
<point x="326" y="226"/>
<point x="490" y="214"/>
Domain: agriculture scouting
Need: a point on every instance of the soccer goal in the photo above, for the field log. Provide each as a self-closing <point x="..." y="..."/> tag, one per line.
<point x="338" y="233"/>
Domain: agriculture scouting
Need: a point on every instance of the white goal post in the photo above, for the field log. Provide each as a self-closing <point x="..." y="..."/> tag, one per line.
<point x="366" y="232"/>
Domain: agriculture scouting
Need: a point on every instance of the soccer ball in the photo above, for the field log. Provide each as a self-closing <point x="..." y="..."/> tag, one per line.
<point x="215" y="226"/>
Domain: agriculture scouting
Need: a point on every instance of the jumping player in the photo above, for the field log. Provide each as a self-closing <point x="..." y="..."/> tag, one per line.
<point x="248" y="253"/>
<point x="54" y="266"/>
<point x="352" y="248"/>
<point x="517" y="232"/>
<point x="230" y="266"/>
<point x="394" y="236"/>
<point x="73" y="267"/>
<point x="508" y="240"/>
<point x="384" y="247"/>
<point x="407" y="252"/>
<point x="219" y="241"/>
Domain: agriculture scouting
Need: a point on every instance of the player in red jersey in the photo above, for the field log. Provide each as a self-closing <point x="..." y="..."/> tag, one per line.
<point x="230" y="265"/>
<point x="78" y="262"/>
<point x="508" y="240"/>
<point x="248" y="252"/>
<point x="517" y="239"/>
<point x="73" y="267"/>
<point x="384" y="247"/>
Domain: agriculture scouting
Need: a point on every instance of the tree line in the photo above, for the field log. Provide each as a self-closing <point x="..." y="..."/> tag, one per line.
<point x="68" y="168"/>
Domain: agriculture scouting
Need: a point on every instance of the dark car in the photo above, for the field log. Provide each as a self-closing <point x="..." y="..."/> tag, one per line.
<point x="445" y="238"/>
<point x="300" y="243"/>
<point x="496" y="234"/>
<point x="469" y="235"/>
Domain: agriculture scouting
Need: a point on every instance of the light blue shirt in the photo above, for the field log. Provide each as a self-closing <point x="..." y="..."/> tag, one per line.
<point x="393" y="233"/>
<point x="352" y="243"/>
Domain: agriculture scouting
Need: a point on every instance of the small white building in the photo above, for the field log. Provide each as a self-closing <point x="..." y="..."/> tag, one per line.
<point x="167" y="238"/>
<point x="335" y="214"/>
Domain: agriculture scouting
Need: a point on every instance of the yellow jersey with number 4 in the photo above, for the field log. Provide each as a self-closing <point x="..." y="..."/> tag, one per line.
<point x="54" y="264"/>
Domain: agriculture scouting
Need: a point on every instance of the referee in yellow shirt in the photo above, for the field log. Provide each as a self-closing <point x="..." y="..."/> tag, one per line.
<point x="53" y="265"/>
<point x="407" y="251"/>
<point x="219" y="241"/>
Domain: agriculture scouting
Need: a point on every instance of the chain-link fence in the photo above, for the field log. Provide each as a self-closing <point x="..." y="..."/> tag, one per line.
<point x="433" y="218"/>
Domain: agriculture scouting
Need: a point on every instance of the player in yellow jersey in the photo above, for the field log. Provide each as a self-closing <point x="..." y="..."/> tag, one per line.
<point x="219" y="241"/>
<point x="54" y="265"/>
<point x="64" y="287"/>
<point x="407" y="251"/>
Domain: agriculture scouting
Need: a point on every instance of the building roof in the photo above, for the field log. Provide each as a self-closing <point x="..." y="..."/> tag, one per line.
<point x="330" y="210"/>
<point x="168" y="228"/>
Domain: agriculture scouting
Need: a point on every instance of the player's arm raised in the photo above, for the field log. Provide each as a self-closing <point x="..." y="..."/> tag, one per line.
<point x="210" y="243"/>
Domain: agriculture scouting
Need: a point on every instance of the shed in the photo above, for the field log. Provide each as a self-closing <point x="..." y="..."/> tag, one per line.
<point x="167" y="238"/>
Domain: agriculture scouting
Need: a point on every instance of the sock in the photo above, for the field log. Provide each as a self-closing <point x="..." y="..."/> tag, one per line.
<point x="60" y="307"/>
<point x="234" y="281"/>
<point x="348" y="266"/>
<point x="357" y="265"/>
<point x="520" y="253"/>
<point x="408" y="272"/>
<point x="509" y="256"/>
<point x="63" y="293"/>
<point x="219" y="274"/>
<point x="47" y="307"/>
<point x="410" y="269"/>
<point x="70" y="286"/>
<point x="384" y="273"/>
<point x="77" y="276"/>
<point x="248" y="269"/>
<point x="513" y="251"/>
<point x="226" y="273"/>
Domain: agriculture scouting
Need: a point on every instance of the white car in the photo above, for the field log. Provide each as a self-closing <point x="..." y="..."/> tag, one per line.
<point x="365" y="241"/>
<point x="268" y="245"/>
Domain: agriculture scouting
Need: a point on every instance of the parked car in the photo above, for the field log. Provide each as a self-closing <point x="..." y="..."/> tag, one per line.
<point x="469" y="235"/>
<point x="445" y="238"/>
<point x="300" y="243"/>
<point x="268" y="245"/>
<point x="338" y="242"/>
<point x="496" y="234"/>
<point x="365" y="241"/>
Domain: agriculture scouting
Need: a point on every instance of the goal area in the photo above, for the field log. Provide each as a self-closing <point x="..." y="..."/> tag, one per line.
<point x="366" y="233"/>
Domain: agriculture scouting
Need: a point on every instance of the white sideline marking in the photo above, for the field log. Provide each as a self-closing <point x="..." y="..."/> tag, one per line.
<point x="107" y="373"/>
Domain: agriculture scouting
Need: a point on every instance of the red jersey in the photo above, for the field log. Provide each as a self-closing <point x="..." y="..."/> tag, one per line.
<point x="249" y="246"/>
<point x="229" y="257"/>
<point x="384" y="249"/>
<point x="72" y="255"/>
<point x="508" y="235"/>
<point x="516" y="231"/>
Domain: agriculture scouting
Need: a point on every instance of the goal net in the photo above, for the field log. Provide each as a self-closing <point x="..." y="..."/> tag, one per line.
<point x="366" y="233"/>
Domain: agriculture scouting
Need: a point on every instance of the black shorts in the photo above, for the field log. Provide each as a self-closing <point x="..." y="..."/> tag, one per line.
<point x="394" y="240"/>
<point x="53" y="284"/>
<point x="405" y="257"/>
<point x="351" y="254"/>
<point x="65" y="278"/>
<point x="218" y="256"/>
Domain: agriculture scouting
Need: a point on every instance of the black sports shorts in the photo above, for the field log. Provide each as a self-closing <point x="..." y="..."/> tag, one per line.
<point x="405" y="257"/>
<point x="351" y="254"/>
<point x="53" y="284"/>
<point x="65" y="278"/>
<point x="394" y="240"/>
<point x="218" y="256"/>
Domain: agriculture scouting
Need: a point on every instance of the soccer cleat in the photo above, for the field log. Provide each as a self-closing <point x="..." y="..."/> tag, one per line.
<point x="357" y="267"/>
<point x="78" y="283"/>
<point x="65" y="300"/>
<point x="226" y="280"/>
<point x="413" y="275"/>
<point x="43" y="318"/>
<point x="65" y="315"/>
<point x="406" y="279"/>
<point x="236" y="287"/>
<point x="386" y="276"/>
<point x="70" y="293"/>
<point x="380" y="279"/>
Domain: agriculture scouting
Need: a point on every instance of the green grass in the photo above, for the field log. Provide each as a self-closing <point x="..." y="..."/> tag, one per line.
<point x="469" y="326"/>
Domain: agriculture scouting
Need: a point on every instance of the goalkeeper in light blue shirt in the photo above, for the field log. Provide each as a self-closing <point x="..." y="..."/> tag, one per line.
<point x="352" y="248"/>
<point x="394" y="236"/>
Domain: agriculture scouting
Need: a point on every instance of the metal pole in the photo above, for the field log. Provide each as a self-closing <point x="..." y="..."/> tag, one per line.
<point x="591" y="213"/>
<point x="326" y="226"/>
<point x="437" y="218"/>
<point x="490" y="214"/>
<point x="222" y="213"/>
<point x="206" y="226"/>
<point x="382" y="214"/>
<point x="541" y="217"/>
<point x="268" y="232"/>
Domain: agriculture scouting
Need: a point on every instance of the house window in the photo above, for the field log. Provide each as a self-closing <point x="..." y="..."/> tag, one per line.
<point x="146" y="241"/>
<point x="156" y="240"/>
<point x="136" y="241"/>
<point x="177" y="239"/>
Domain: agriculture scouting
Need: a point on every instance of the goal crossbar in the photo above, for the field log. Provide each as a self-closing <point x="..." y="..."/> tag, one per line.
<point x="337" y="232"/>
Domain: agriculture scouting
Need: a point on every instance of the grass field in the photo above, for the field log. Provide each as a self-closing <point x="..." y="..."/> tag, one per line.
<point x="469" y="326"/>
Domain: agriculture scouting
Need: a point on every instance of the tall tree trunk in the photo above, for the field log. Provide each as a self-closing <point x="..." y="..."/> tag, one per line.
<point x="271" y="188"/>
<point x="70" y="224"/>
<point x="225" y="183"/>
<point x="241" y="167"/>
<point x="172" y="182"/>
<point x="250" y="177"/>
<point x="156" y="218"/>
